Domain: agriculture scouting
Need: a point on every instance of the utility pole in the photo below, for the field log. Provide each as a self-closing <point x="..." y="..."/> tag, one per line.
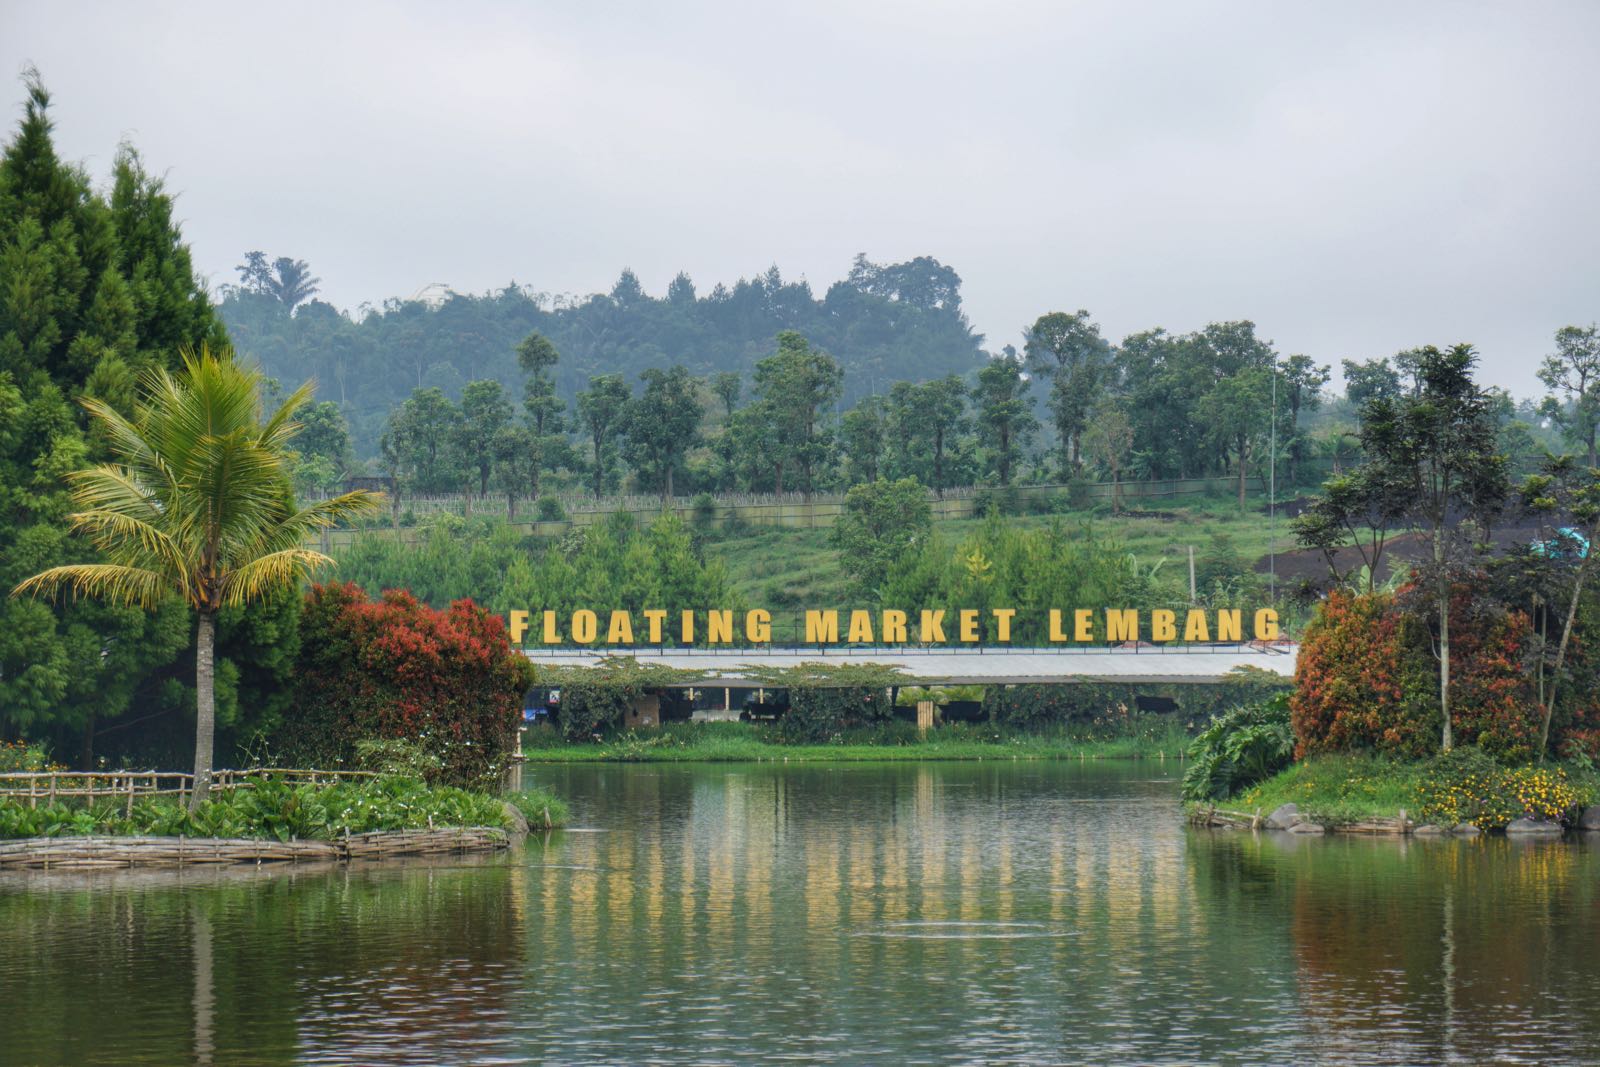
<point x="1272" y="489"/>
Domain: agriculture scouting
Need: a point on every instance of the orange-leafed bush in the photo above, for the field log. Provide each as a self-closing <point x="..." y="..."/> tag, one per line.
<point x="1350" y="681"/>
<point x="1368" y="679"/>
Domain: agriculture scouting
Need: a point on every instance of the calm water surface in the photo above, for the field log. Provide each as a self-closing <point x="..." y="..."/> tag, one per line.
<point x="930" y="913"/>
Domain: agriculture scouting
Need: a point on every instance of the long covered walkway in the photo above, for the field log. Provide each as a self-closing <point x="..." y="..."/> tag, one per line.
<point x="948" y="666"/>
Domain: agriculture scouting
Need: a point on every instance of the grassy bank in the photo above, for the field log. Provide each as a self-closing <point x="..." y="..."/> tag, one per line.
<point x="1151" y="738"/>
<point x="278" y="811"/>
<point x="1340" y="790"/>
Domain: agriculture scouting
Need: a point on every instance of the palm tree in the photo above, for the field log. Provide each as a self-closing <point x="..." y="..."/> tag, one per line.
<point x="196" y="503"/>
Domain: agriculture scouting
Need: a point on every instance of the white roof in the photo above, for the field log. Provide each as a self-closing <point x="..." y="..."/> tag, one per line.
<point x="951" y="666"/>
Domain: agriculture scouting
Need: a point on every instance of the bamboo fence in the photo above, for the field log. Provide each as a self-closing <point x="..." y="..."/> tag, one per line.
<point x="117" y="853"/>
<point x="49" y="786"/>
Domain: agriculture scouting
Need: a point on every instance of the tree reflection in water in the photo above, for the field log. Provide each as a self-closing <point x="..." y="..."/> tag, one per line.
<point x="888" y="913"/>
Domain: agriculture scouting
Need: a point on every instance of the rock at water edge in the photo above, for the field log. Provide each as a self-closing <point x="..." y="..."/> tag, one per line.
<point x="1532" y="826"/>
<point x="516" y="822"/>
<point x="1284" y="817"/>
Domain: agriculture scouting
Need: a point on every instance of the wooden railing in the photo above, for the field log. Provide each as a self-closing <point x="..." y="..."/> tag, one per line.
<point x="49" y="786"/>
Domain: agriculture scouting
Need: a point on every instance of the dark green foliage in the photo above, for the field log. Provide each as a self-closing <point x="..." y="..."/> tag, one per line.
<point x="1066" y="350"/>
<point x="602" y="409"/>
<point x="589" y="709"/>
<point x="882" y="521"/>
<point x="542" y="808"/>
<point x="418" y="447"/>
<point x="93" y="292"/>
<point x="662" y="425"/>
<point x="1034" y="707"/>
<point x="1005" y="425"/>
<point x="1240" y="748"/>
<point x="613" y="565"/>
<point x="818" y="714"/>
<point x="879" y="331"/>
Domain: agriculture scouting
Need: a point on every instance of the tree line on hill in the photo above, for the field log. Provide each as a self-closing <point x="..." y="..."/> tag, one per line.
<point x="1069" y="405"/>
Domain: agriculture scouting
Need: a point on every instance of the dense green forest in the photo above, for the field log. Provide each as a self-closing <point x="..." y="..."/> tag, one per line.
<point x="763" y="388"/>
<point x="884" y="323"/>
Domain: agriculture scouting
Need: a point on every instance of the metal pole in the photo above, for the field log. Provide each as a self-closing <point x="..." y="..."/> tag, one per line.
<point x="1272" y="489"/>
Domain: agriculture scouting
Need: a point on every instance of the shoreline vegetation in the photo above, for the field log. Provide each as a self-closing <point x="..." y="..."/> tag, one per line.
<point x="717" y="742"/>
<point x="1468" y="793"/>
<point x="271" y="820"/>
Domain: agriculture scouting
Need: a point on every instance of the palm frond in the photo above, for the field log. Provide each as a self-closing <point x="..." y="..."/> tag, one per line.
<point x="115" y="489"/>
<point x="294" y="528"/>
<point x="200" y="500"/>
<point x="127" y="538"/>
<point x="111" y="582"/>
<point x="274" y="571"/>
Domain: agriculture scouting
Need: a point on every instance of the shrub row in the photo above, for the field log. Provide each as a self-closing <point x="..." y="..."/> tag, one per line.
<point x="270" y="809"/>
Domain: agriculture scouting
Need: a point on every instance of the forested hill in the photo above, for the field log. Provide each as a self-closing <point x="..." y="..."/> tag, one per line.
<point x="883" y="323"/>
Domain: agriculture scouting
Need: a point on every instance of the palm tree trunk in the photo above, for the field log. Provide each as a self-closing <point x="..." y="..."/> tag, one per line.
<point x="205" y="706"/>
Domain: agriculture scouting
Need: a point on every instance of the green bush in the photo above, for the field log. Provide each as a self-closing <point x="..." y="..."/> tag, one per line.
<point x="270" y="809"/>
<point x="549" y="509"/>
<point x="1240" y="748"/>
<point x="703" y="512"/>
<point x="1032" y="707"/>
<point x="542" y="808"/>
<point x="587" y="710"/>
<point x="821" y="714"/>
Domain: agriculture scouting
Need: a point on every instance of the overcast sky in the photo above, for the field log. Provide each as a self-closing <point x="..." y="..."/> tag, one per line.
<point x="1355" y="178"/>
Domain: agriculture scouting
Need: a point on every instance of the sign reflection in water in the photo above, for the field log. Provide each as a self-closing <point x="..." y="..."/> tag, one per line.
<point x="943" y="912"/>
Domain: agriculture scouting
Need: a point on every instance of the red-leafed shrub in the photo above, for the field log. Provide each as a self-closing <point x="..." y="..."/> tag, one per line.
<point x="397" y="669"/>
<point x="1367" y="679"/>
<point x="1492" y="702"/>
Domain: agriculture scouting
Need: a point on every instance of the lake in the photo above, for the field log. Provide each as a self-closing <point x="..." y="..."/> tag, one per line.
<point x="849" y="913"/>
